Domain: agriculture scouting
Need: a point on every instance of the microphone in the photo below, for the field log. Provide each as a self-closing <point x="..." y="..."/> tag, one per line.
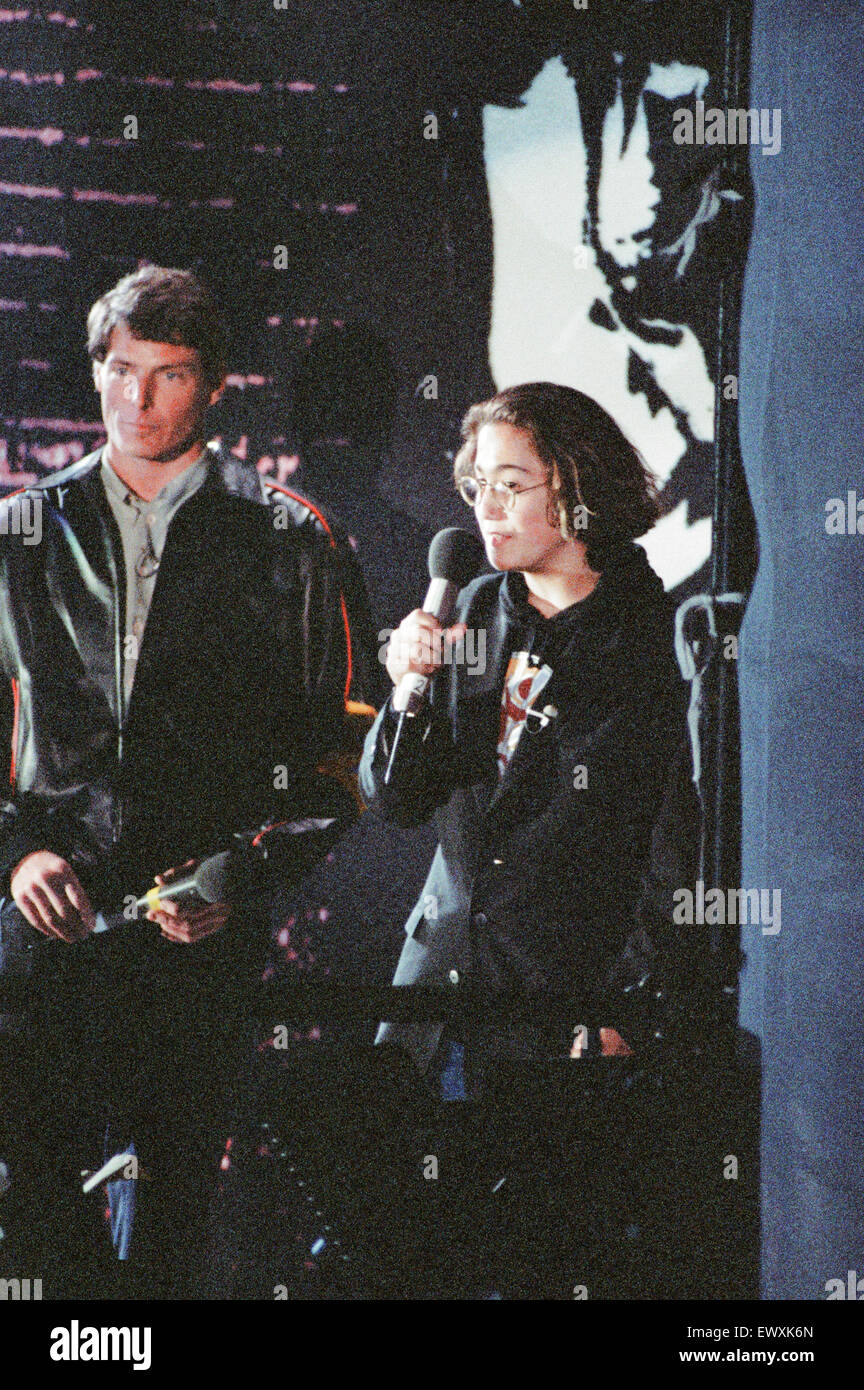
<point x="241" y="873"/>
<point x="258" y="863"/>
<point x="212" y="882"/>
<point x="455" y="557"/>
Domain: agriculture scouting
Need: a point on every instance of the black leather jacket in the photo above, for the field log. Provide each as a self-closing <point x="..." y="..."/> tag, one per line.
<point x="241" y="685"/>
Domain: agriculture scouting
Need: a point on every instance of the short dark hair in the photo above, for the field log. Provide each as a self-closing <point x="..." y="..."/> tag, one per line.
<point x="590" y="464"/>
<point x="161" y="306"/>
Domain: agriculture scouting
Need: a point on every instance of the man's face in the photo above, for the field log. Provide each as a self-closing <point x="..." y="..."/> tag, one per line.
<point x="524" y="538"/>
<point x="154" y="397"/>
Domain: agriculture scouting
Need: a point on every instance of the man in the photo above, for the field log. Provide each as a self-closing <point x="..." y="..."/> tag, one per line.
<point x="178" y="659"/>
<point x="546" y="773"/>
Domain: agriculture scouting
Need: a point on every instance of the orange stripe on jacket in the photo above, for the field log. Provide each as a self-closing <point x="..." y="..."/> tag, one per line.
<point x="304" y="501"/>
<point x="13" y="763"/>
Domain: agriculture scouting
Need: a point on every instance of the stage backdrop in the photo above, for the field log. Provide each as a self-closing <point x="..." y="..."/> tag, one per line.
<point x="400" y="207"/>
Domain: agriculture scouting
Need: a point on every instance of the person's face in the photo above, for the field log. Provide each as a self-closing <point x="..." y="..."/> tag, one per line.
<point x="524" y="538"/>
<point x="154" y="397"/>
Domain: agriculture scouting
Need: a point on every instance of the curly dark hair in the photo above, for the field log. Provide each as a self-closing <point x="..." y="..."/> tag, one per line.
<point x="601" y="489"/>
<point x="161" y="306"/>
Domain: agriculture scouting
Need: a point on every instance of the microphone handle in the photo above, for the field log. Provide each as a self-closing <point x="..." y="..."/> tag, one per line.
<point x="397" y="736"/>
<point x="169" y="892"/>
<point x="410" y="693"/>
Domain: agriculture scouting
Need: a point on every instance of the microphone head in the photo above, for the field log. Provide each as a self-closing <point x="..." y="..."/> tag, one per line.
<point x="216" y="878"/>
<point x="456" y="555"/>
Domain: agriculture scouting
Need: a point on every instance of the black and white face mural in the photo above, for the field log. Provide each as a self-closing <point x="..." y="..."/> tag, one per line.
<point x="554" y="311"/>
<point x="583" y="263"/>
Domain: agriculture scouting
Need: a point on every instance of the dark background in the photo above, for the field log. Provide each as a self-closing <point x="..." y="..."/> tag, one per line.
<point x="303" y="128"/>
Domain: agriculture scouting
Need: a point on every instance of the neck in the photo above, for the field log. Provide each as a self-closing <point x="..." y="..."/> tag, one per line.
<point x="568" y="579"/>
<point x="147" y="477"/>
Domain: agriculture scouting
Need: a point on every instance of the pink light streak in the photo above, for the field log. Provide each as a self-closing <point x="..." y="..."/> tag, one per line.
<point x="235" y="379"/>
<point x="19" y="306"/>
<point x="48" y="135"/>
<point x="28" y="251"/>
<point x="31" y="422"/>
<point x="225" y="84"/>
<point x="152" y="81"/>
<point x="29" y="190"/>
<point x="27" y="80"/>
<point x="96" y="195"/>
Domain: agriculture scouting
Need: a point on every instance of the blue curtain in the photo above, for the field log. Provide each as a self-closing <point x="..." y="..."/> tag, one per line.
<point x="802" y="644"/>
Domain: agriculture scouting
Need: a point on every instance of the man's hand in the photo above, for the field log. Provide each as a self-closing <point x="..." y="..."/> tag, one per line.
<point x="611" y="1044"/>
<point x="416" y="645"/>
<point x="47" y="892"/>
<point x="185" y="924"/>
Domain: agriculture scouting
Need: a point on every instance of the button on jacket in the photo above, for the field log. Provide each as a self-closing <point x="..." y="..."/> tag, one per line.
<point x="538" y="871"/>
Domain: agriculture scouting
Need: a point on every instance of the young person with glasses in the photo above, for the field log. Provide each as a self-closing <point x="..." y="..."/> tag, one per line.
<point x="546" y="771"/>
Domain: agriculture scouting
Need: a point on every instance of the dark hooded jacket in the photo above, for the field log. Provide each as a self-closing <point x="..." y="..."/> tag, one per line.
<point x="534" y="888"/>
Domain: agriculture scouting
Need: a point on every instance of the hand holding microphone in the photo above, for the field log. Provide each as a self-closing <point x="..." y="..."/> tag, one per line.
<point x="416" y="650"/>
<point x="195" y="899"/>
<point x="416" y="646"/>
<point x="49" y="895"/>
<point x="185" y="917"/>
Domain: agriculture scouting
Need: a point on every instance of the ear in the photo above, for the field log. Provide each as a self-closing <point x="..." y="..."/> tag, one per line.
<point x="553" y="517"/>
<point x="97" y="373"/>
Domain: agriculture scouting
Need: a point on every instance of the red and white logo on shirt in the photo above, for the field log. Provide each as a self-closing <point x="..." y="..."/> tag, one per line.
<point x="525" y="678"/>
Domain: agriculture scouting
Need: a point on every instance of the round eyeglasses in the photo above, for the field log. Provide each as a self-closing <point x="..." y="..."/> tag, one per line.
<point x="504" y="494"/>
